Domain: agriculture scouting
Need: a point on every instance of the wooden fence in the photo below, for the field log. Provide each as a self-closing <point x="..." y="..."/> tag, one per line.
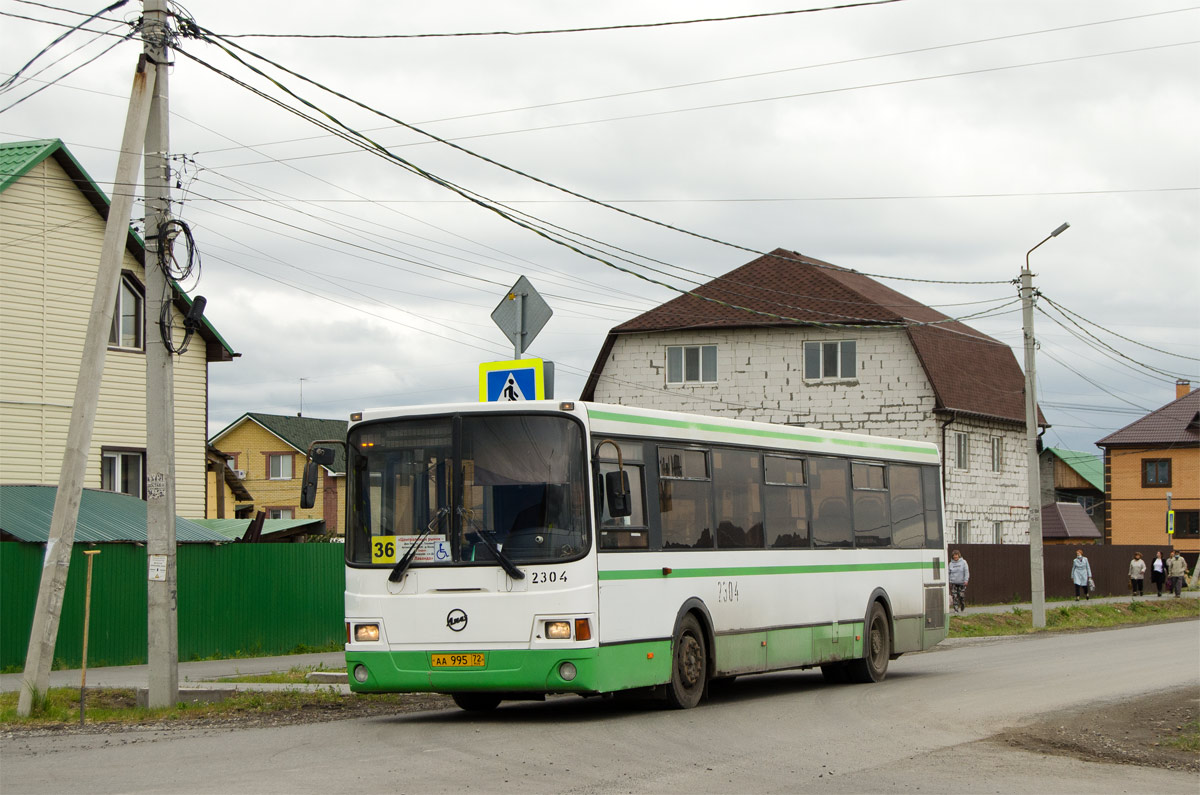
<point x="1000" y="572"/>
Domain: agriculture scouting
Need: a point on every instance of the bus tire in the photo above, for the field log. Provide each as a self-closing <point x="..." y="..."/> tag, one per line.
<point x="689" y="665"/>
<point x="476" y="702"/>
<point x="877" y="649"/>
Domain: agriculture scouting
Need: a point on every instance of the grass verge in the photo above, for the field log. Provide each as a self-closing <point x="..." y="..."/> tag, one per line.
<point x="297" y="674"/>
<point x="1073" y="615"/>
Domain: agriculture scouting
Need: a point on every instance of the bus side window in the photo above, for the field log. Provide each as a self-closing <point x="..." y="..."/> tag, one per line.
<point x="685" y="498"/>
<point x="872" y="520"/>
<point x="829" y="484"/>
<point x="737" y="487"/>
<point x="786" y="503"/>
<point x="908" y="508"/>
<point x="933" y="507"/>
<point x="624" y="532"/>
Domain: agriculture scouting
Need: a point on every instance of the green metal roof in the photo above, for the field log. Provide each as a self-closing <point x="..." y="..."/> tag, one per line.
<point x="234" y="529"/>
<point x="25" y="513"/>
<point x="299" y="432"/>
<point x="16" y="160"/>
<point x="1086" y="465"/>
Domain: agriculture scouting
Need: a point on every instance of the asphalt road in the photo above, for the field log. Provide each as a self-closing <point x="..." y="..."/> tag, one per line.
<point x="924" y="728"/>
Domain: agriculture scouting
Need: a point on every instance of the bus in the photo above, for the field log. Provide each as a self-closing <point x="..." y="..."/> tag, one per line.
<point x="507" y="551"/>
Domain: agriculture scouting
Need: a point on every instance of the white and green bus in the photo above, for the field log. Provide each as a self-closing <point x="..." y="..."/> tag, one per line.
<point x="512" y="550"/>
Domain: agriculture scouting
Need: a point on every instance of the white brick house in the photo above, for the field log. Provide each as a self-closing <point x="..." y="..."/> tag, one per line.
<point x="878" y="362"/>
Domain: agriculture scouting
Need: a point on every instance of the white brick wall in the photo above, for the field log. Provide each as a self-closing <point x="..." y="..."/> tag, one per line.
<point x="760" y="377"/>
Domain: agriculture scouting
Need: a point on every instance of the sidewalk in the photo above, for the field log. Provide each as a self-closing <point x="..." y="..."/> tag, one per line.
<point x="207" y="674"/>
<point x="1050" y="605"/>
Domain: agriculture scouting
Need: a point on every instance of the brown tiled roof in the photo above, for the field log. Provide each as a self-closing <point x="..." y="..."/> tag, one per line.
<point x="1067" y="520"/>
<point x="1176" y="424"/>
<point x="970" y="372"/>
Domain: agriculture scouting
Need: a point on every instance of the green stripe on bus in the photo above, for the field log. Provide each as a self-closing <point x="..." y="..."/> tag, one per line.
<point x="791" y="436"/>
<point x="757" y="571"/>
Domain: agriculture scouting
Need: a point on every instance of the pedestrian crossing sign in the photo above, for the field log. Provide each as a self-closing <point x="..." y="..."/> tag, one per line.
<point x="516" y="379"/>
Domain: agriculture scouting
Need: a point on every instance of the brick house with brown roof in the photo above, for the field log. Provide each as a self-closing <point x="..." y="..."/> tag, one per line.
<point x="1146" y="460"/>
<point x="827" y="347"/>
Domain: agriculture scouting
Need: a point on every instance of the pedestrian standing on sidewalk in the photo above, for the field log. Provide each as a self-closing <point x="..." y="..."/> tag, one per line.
<point x="1081" y="575"/>
<point x="959" y="574"/>
<point x="1158" y="572"/>
<point x="1137" y="574"/>
<point x="1177" y="572"/>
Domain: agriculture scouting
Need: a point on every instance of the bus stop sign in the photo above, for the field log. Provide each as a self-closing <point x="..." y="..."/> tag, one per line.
<point x="521" y="314"/>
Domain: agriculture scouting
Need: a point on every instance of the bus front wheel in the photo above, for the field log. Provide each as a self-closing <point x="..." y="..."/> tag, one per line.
<point x="877" y="649"/>
<point x="689" y="665"/>
<point x="476" y="702"/>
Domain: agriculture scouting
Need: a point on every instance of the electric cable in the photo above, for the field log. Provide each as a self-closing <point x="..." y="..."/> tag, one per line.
<point x="8" y="83"/>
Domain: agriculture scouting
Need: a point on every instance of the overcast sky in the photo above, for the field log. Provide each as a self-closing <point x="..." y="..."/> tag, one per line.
<point x="935" y="140"/>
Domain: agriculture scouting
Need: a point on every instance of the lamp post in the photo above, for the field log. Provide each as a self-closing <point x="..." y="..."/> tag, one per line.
<point x="1037" y="577"/>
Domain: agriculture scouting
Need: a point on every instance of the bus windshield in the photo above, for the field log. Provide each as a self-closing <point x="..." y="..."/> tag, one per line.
<point x="453" y="489"/>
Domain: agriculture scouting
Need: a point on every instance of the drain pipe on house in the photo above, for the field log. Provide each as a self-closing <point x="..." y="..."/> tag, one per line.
<point x="945" y="425"/>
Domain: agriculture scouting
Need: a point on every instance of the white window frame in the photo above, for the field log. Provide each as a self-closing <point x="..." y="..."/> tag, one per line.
<point x="962" y="531"/>
<point x="281" y="458"/>
<point x="680" y="370"/>
<point x="841" y="366"/>
<point x="997" y="532"/>
<point x="997" y="453"/>
<point x="112" y="472"/>
<point x="278" y="513"/>
<point x="129" y="287"/>
<point x="962" y="450"/>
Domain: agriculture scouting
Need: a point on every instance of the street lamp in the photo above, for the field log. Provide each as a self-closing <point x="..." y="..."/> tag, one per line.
<point x="1037" y="577"/>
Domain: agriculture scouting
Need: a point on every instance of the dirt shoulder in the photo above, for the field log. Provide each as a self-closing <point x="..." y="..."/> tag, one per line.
<point x="1135" y="732"/>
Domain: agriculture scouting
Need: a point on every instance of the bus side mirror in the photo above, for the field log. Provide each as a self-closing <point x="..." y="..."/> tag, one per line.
<point x="308" y="492"/>
<point x="322" y="455"/>
<point x="616" y="492"/>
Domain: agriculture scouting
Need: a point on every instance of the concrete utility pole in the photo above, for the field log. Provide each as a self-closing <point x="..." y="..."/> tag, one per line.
<point x="1037" y="575"/>
<point x="161" y="588"/>
<point x="44" y="633"/>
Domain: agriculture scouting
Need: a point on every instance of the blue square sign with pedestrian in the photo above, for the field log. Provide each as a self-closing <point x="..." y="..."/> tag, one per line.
<point x="518" y="379"/>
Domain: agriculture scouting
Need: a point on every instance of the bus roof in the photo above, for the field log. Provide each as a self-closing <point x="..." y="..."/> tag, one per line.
<point x="609" y="419"/>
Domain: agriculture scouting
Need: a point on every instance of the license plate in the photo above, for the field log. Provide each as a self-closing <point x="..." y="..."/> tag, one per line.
<point x="473" y="659"/>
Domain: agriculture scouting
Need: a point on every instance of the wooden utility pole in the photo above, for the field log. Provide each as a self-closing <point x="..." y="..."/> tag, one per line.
<point x="40" y="654"/>
<point x="161" y="589"/>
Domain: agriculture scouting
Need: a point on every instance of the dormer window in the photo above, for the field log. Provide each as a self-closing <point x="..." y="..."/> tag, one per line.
<point x="128" y="317"/>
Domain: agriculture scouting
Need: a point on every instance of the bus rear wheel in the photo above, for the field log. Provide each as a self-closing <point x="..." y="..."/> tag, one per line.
<point x="689" y="665"/>
<point x="877" y="649"/>
<point x="476" y="702"/>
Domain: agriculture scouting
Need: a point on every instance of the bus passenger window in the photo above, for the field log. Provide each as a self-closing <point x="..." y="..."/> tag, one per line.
<point x="684" y="498"/>
<point x="908" y="510"/>
<point x="786" y="503"/>
<point x="829" y="484"/>
<point x="933" y="507"/>
<point x="872" y="520"/>
<point x="737" y="487"/>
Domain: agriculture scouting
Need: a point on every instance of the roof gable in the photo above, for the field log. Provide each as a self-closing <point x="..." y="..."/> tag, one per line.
<point x="1174" y="424"/>
<point x="297" y="432"/>
<point x="1088" y="466"/>
<point x="1067" y="520"/>
<point x="969" y="371"/>
<point x="18" y="158"/>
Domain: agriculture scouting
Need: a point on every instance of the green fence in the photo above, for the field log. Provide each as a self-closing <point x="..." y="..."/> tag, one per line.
<point x="234" y="599"/>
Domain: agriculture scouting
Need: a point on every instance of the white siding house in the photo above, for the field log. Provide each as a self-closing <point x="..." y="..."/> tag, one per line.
<point x="833" y="349"/>
<point x="52" y="218"/>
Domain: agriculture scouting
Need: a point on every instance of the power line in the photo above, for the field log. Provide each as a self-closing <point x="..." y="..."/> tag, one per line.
<point x="1066" y="311"/>
<point x="628" y="26"/>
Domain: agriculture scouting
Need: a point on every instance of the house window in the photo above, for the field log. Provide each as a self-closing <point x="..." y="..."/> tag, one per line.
<point x="962" y="531"/>
<point x="997" y="453"/>
<point x="691" y="364"/>
<point x="123" y="471"/>
<point x="280" y="513"/>
<point x="1156" y="472"/>
<point x="961" y="451"/>
<point x="279" y="466"/>
<point x="127" y="325"/>
<point x="997" y="532"/>
<point x="830" y="360"/>
<point x="1187" y="524"/>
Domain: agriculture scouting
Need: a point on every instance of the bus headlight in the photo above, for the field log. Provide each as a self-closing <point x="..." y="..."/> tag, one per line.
<point x="567" y="671"/>
<point x="558" y="630"/>
<point x="360" y="673"/>
<point x="366" y="633"/>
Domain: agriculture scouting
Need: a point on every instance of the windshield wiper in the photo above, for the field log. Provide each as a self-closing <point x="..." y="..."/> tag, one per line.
<point x="501" y="558"/>
<point x="411" y="552"/>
